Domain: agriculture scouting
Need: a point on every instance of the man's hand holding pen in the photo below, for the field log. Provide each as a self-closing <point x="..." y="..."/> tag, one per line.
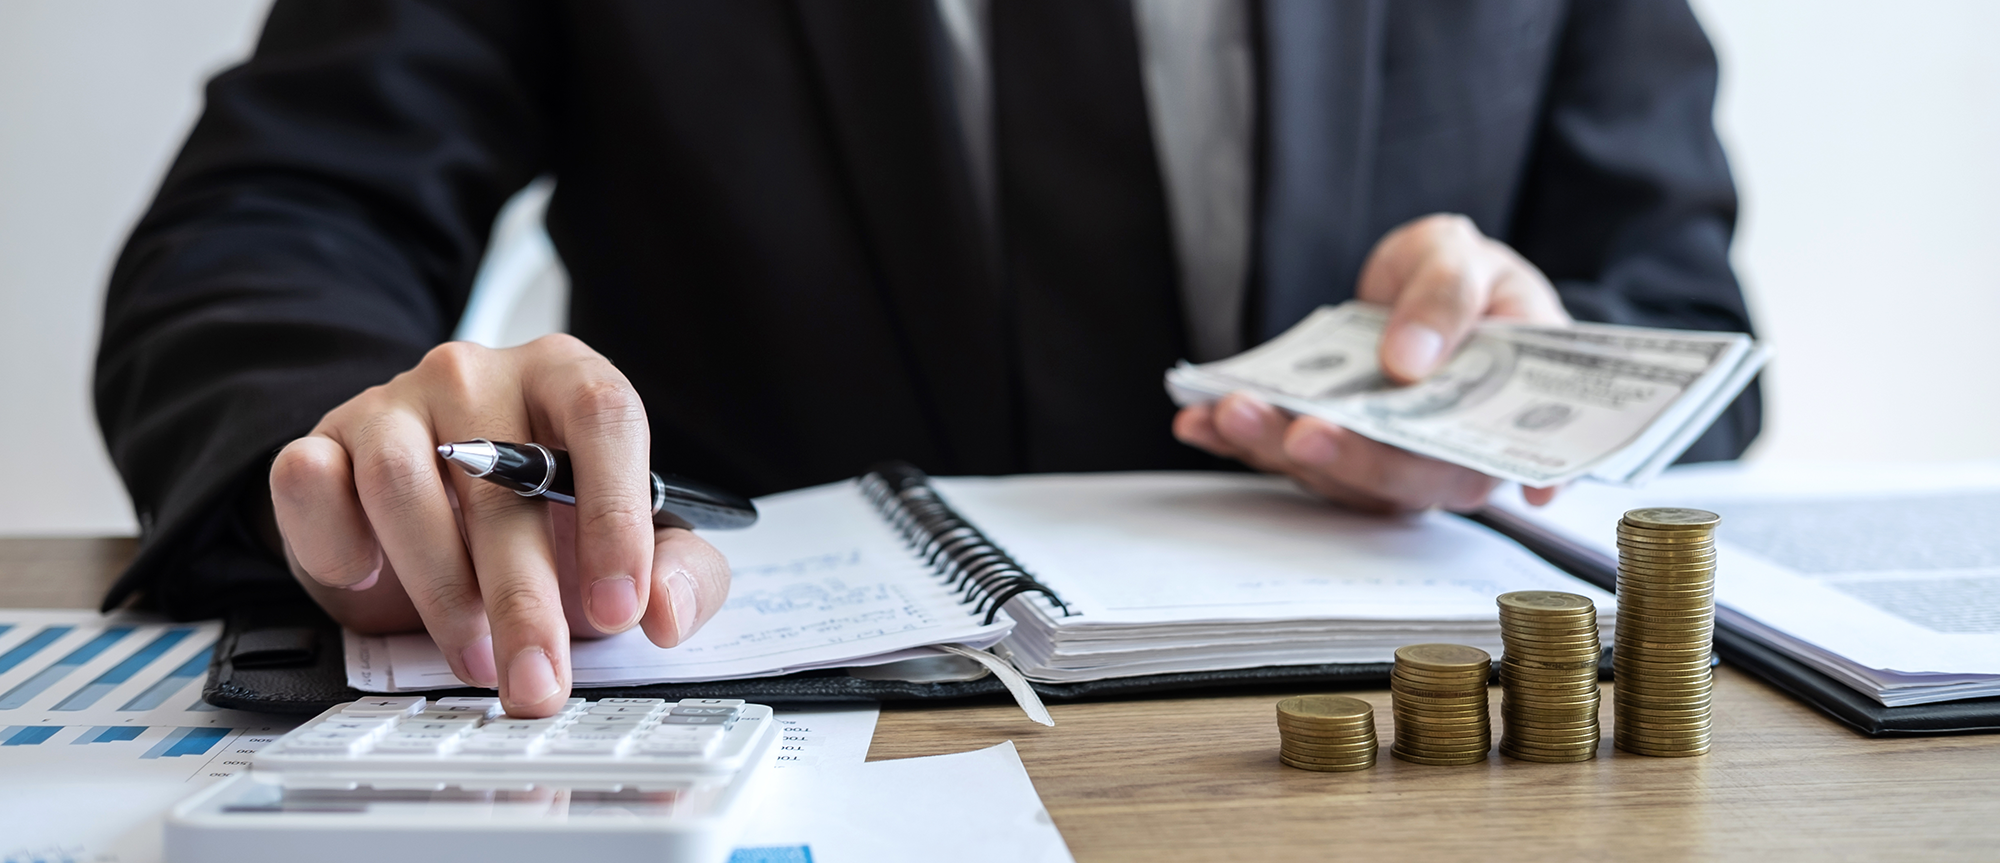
<point x="387" y="539"/>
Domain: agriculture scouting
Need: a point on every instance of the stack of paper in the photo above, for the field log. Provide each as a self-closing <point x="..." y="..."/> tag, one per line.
<point x="1884" y="577"/>
<point x="1535" y="405"/>
<point x="1181" y="572"/>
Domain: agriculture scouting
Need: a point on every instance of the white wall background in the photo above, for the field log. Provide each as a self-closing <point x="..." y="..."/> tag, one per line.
<point x="1865" y="136"/>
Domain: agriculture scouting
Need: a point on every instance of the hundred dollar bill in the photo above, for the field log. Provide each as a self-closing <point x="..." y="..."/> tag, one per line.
<point x="1533" y="404"/>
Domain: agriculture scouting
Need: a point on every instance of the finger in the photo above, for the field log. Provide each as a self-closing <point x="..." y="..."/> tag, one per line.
<point x="1539" y="496"/>
<point x="396" y="477"/>
<point x="597" y="415"/>
<point x="1255" y="430"/>
<point x="691" y="581"/>
<point x="1395" y="476"/>
<point x="473" y="392"/>
<point x="1444" y="295"/>
<point x="381" y="609"/>
<point x="1194" y="425"/>
<point x="1521" y="292"/>
<point x="320" y="517"/>
<point x="513" y="557"/>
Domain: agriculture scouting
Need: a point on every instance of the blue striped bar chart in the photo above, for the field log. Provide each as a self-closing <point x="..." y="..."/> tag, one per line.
<point x="187" y="741"/>
<point x="20" y="652"/>
<point x="123" y="671"/>
<point x="28" y="735"/>
<point x="33" y="686"/>
<point x="186" y="672"/>
<point x="109" y="734"/>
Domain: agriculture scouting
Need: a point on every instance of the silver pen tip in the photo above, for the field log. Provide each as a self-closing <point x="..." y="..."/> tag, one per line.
<point x="444" y="450"/>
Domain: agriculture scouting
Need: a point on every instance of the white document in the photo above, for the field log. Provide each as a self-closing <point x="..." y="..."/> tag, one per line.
<point x="969" y="807"/>
<point x="826" y="737"/>
<point x="1886" y="577"/>
<point x="1167" y="572"/>
<point x="102" y="727"/>
<point x="821" y="581"/>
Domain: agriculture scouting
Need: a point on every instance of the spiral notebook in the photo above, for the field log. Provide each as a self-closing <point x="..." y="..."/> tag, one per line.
<point x="1066" y="579"/>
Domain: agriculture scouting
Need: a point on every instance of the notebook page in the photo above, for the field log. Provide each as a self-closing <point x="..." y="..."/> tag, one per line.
<point x="820" y="581"/>
<point x="1183" y="548"/>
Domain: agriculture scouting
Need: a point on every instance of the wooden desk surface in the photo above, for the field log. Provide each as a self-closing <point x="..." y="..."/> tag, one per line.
<point x="1199" y="778"/>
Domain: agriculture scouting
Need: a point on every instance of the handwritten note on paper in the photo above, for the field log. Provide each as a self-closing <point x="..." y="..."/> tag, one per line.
<point x="821" y="581"/>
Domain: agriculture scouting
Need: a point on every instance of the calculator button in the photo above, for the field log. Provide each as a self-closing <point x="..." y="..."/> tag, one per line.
<point x="439" y="729"/>
<point x="610" y="719"/>
<point x="370" y="724"/>
<point x="586" y="746"/>
<point x="447" y="716"/>
<point x="698" y="720"/>
<point x="710" y="702"/>
<point x="602" y="709"/>
<point x="489" y="706"/>
<point x="702" y="711"/>
<point x="524" y="726"/>
<point x="408" y="746"/>
<point x="675" y="745"/>
<point x="499" y="745"/>
<point x="316" y="743"/>
<point x="639" y="702"/>
<point x="596" y="732"/>
<point x="389" y="706"/>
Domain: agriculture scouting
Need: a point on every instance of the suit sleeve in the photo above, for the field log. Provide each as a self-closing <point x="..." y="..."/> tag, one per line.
<point x="1628" y="204"/>
<point x="317" y="234"/>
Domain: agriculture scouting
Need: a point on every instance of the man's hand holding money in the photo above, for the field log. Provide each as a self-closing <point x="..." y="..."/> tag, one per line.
<point x="1440" y="276"/>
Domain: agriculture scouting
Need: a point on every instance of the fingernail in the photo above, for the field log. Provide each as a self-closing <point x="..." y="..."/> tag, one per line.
<point x="614" y="603"/>
<point x="1413" y="350"/>
<point x="477" y="659"/>
<point x="1314" y="448"/>
<point x="373" y="576"/>
<point x="687" y="609"/>
<point x="531" y="679"/>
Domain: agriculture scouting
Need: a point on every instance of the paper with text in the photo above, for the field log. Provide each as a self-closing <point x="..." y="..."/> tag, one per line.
<point x="820" y="581"/>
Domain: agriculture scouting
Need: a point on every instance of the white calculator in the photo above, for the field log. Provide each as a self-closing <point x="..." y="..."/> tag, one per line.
<point x="391" y="779"/>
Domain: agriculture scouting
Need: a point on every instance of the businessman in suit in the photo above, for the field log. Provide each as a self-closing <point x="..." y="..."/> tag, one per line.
<point x="804" y="235"/>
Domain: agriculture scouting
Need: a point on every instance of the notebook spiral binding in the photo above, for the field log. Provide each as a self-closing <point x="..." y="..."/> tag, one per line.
<point x="983" y="574"/>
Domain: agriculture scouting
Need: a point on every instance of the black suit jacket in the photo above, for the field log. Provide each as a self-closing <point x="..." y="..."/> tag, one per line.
<point x="770" y="227"/>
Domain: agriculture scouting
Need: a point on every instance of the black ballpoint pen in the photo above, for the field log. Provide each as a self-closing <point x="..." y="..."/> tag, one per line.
<point x="533" y="470"/>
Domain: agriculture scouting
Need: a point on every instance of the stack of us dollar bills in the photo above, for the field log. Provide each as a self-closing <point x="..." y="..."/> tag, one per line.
<point x="1538" y="405"/>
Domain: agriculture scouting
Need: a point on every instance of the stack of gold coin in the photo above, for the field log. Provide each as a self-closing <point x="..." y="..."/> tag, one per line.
<point x="1548" y="676"/>
<point x="1328" y="733"/>
<point x="1440" y="695"/>
<point x="1666" y="622"/>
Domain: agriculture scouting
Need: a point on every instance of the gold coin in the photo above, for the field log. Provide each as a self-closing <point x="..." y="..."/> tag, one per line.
<point x="1329" y="750"/>
<point x="1626" y="738"/>
<point x="1425" y="680"/>
<point x="1339" y="758"/>
<point x="1631" y="532"/>
<point x="1442" y="747"/>
<point x="1327" y="768"/>
<point x="1407" y="721"/>
<point x="1545" y="602"/>
<point x="1438" y="762"/>
<point x="1672" y="545"/>
<point x="1442" y="657"/>
<point x="1672" y="518"/>
<point x="1344" y="738"/>
<point x="1549" y="759"/>
<point x="1327" y="707"/>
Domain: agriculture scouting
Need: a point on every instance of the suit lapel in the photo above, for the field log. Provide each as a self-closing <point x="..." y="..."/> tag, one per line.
<point x="884" y="78"/>
<point x="1323" y="72"/>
